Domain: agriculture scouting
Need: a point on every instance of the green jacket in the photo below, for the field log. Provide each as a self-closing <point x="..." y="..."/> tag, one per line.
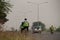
<point x="25" y="24"/>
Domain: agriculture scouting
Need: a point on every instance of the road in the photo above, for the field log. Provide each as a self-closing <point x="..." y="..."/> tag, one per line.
<point x="45" y="36"/>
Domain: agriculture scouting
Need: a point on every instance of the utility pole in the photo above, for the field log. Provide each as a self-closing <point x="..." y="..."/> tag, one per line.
<point x="38" y="6"/>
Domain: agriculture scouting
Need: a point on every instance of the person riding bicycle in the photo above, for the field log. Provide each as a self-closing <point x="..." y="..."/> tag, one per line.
<point x="25" y="25"/>
<point x="52" y="29"/>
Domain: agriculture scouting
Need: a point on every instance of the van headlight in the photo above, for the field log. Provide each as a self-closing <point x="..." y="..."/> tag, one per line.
<point x="35" y="29"/>
<point x="40" y="29"/>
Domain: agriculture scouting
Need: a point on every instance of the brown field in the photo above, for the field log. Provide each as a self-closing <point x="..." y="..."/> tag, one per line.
<point x="14" y="36"/>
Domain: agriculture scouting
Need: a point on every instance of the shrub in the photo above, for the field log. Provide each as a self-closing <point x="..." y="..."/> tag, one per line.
<point x="58" y="29"/>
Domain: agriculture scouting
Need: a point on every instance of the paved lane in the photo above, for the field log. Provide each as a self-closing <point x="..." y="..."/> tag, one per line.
<point x="45" y="36"/>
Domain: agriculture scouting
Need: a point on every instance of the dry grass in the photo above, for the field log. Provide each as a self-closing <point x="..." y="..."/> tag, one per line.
<point x="14" y="36"/>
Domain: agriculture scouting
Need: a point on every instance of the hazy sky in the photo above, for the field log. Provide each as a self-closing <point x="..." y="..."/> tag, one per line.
<point x="49" y="13"/>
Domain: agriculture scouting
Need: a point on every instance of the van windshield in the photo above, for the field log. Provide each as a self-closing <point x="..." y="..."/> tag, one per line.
<point x="36" y="24"/>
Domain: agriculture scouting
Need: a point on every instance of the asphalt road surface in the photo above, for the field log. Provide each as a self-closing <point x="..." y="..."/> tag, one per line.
<point x="45" y="36"/>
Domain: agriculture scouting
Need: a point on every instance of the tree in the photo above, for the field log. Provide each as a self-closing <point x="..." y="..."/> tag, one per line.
<point x="4" y="10"/>
<point x="58" y="29"/>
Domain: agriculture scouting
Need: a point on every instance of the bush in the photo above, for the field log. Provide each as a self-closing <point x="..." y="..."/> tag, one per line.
<point x="58" y="29"/>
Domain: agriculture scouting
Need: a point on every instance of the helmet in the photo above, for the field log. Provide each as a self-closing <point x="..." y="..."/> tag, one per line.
<point x="25" y="19"/>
